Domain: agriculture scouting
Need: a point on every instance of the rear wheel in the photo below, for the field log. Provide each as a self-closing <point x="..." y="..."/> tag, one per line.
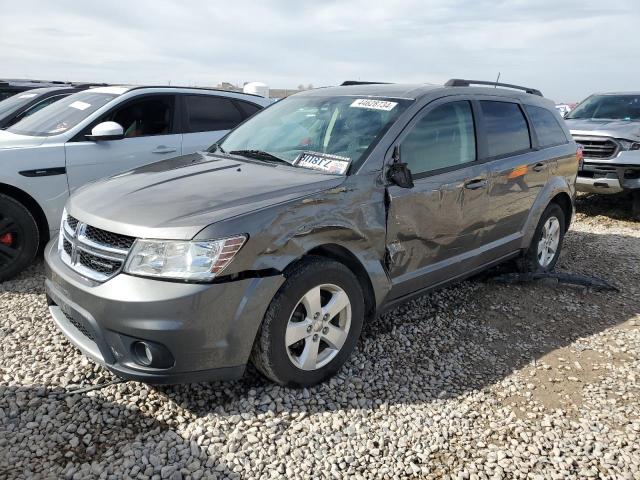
<point x="312" y="324"/>
<point x="19" y="237"/>
<point x="544" y="251"/>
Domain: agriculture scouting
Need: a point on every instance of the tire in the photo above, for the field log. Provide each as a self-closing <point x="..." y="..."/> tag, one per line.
<point x="19" y="237"/>
<point x="635" y="204"/>
<point x="532" y="260"/>
<point x="277" y="353"/>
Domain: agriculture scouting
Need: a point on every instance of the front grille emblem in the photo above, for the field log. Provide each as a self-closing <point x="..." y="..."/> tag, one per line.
<point x="81" y="228"/>
<point x="85" y="250"/>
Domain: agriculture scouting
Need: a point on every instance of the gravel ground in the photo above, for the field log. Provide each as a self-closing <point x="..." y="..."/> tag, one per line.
<point x="480" y="380"/>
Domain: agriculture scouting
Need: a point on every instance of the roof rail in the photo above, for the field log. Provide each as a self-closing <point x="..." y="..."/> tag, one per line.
<point x="459" y="82"/>
<point x="347" y="83"/>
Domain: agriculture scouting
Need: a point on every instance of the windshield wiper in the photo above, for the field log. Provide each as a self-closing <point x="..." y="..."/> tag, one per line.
<point x="216" y="148"/>
<point x="259" y="155"/>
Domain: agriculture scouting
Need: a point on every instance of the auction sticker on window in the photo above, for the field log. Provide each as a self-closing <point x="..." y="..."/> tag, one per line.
<point x="374" y="104"/>
<point x="323" y="162"/>
<point x="80" y="105"/>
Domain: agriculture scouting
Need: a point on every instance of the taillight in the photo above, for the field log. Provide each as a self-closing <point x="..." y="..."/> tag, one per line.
<point x="580" y="156"/>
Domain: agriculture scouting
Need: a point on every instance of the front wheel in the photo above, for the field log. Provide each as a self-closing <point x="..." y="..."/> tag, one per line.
<point x="544" y="251"/>
<point x="312" y="324"/>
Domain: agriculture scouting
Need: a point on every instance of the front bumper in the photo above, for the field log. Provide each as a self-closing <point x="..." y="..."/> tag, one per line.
<point x="608" y="178"/>
<point x="208" y="329"/>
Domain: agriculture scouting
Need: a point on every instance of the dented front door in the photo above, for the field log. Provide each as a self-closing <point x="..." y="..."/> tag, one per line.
<point x="434" y="230"/>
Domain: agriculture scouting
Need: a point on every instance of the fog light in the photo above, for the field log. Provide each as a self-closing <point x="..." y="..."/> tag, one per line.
<point x="151" y="354"/>
<point x="143" y="352"/>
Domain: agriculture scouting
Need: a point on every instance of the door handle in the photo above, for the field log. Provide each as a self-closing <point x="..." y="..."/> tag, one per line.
<point x="163" y="149"/>
<point x="476" y="183"/>
<point x="538" y="167"/>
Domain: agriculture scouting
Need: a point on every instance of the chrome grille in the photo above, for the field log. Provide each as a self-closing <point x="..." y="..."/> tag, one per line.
<point x="92" y="252"/>
<point x="107" y="238"/>
<point x="66" y="245"/>
<point x="72" y="222"/>
<point x="597" y="147"/>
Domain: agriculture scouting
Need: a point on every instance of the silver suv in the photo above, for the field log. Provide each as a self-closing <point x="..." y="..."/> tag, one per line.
<point x="93" y="134"/>
<point x="607" y="126"/>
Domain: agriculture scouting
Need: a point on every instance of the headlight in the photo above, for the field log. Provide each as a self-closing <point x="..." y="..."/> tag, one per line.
<point x="629" y="145"/>
<point x="182" y="260"/>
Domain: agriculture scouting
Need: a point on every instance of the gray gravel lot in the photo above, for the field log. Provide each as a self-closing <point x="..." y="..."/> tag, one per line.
<point x="479" y="380"/>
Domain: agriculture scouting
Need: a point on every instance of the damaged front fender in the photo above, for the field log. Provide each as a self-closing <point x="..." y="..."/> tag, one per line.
<point x="349" y="218"/>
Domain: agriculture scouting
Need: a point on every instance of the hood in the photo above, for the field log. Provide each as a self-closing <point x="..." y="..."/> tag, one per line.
<point x="627" y="129"/>
<point x="12" y="140"/>
<point x="176" y="198"/>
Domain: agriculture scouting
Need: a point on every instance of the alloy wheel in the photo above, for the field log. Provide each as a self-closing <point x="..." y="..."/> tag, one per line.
<point x="318" y="327"/>
<point x="10" y="241"/>
<point x="549" y="241"/>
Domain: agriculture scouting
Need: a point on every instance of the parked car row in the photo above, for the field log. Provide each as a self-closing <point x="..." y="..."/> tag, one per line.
<point x="196" y="242"/>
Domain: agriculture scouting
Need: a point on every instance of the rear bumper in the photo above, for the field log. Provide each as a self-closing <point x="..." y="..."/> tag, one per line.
<point x="207" y="329"/>
<point x="608" y="177"/>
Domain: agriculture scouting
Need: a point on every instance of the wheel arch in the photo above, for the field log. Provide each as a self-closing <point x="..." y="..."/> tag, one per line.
<point x="558" y="191"/>
<point x="564" y="201"/>
<point x="32" y="205"/>
<point x="343" y="255"/>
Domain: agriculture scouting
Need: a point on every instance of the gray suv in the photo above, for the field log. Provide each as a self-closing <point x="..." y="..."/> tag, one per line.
<point x="328" y="207"/>
<point x="607" y="126"/>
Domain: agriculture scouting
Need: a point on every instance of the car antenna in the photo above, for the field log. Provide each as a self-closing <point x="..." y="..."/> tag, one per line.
<point x="497" y="80"/>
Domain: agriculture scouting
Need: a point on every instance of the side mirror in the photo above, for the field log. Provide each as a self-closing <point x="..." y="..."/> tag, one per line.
<point x="106" y="131"/>
<point x="398" y="172"/>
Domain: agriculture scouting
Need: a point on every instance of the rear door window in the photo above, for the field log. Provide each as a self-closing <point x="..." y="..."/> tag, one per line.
<point x="206" y="113"/>
<point x="547" y="128"/>
<point x="506" y="128"/>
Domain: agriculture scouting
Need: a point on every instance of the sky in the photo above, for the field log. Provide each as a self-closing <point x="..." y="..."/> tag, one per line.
<point x="566" y="48"/>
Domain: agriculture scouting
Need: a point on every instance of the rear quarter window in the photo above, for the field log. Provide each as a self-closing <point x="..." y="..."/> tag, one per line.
<point x="547" y="128"/>
<point x="207" y="113"/>
<point x="506" y="128"/>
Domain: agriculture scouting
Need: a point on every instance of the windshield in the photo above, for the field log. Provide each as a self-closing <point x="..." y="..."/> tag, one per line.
<point x="62" y="115"/>
<point x="12" y="104"/>
<point x="617" y="107"/>
<point x="344" y="127"/>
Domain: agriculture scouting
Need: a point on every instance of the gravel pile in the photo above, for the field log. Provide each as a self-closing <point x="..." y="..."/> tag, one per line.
<point x="480" y="380"/>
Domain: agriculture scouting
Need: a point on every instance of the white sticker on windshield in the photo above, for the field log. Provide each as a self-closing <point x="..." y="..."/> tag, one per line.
<point x="374" y="104"/>
<point x="28" y="95"/>
<point x="323" y="162"/>
<point x="80" y="105"/>
<point x="113" y="90"/>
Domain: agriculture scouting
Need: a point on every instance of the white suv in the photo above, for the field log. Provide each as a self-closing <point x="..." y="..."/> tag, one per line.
<point x="94" y="134"/>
